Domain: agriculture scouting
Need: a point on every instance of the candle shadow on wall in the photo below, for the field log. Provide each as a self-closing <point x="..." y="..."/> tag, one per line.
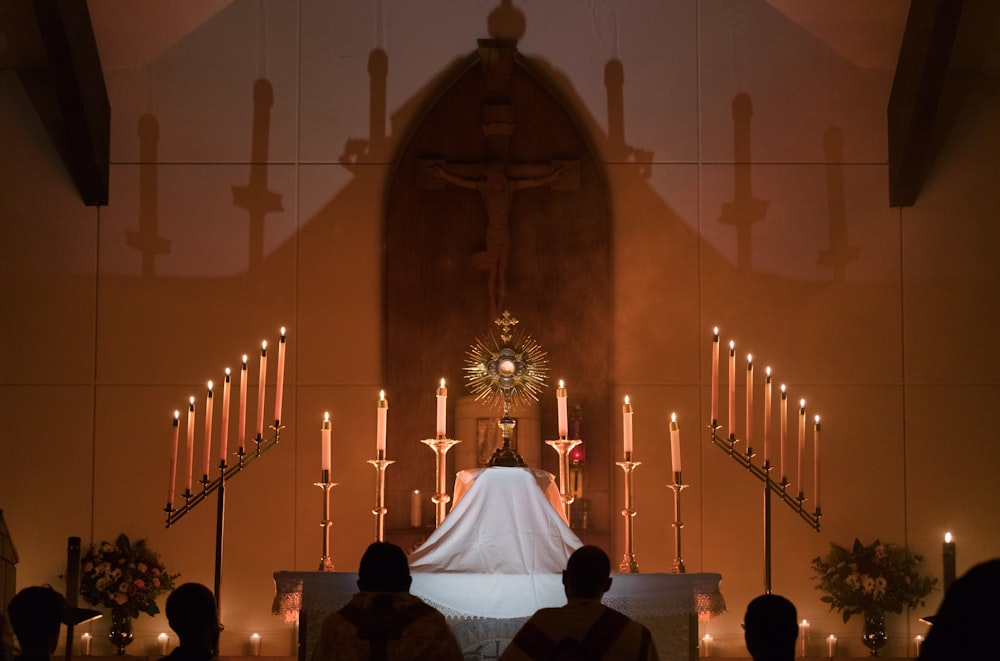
<point x="147" y="241"/>
<point x="840" y="253"/>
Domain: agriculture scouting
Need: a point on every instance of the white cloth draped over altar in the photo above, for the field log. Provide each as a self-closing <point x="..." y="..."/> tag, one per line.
<point x="497" y="558"/>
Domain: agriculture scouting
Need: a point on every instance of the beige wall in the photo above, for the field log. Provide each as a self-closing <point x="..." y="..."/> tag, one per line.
<point x="898" y="355"/>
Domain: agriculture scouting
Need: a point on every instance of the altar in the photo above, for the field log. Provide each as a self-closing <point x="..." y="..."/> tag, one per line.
<point x="497" y="558"/>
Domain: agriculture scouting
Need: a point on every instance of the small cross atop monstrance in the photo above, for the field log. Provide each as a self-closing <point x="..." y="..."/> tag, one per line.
<point x="506" y="368"/>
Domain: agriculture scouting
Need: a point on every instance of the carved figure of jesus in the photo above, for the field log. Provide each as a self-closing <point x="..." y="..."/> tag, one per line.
<point x="497" y="190"/>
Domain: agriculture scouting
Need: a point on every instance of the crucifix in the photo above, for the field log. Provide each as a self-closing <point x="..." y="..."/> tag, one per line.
<point x="497" y="180"/>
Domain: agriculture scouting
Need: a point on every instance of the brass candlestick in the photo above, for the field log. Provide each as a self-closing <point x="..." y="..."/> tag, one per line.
<point x="677" y="487"/>
<point x="441" y="498"/>
<point x="326" y="562"/>
<point x="380" y="463"/>
<point x="628" y="564"/>
<point x="563" y="447"/>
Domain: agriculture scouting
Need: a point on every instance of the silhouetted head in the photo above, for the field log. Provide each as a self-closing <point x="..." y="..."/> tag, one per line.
<point x="384" y="568"/>
<point x="35" y="614"/>
<point x="967" y="614"/>
<point x="587" y="574"/>
<point x="770" y="628"/>
<point x="193" y="614"/>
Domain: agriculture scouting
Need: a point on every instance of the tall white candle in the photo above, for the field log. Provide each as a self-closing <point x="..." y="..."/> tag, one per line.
<point x="715" y="376"/>
<point x="749" y="401"/>
<point x="783" y="429"/>
<point x="816" y="462"/>
<point x="383" y="411"/>
<point x="325" y="449"/>
<point x="831" y="646"/>
<point x="767" y="414"/>
<point x="802" y="444"/>
<point x="241" y="425"/>
<point x="675" y="443"/>
<point x="561" y="410"/>
<point x="732" y="388"/>
<point x="260" y="390"/>
<point x="255" y="644"/>
<point x="627" y="427"/>
<point x="206" y="464"/>
<point x="442" y="411"/>
<point x="85" y="639"/>
<point x="224" y="433"/>
<point x="280" y="385"/>
<point x="190" y="444"/>
<point x="163" y="639"/>
<point x="172" y="482"/>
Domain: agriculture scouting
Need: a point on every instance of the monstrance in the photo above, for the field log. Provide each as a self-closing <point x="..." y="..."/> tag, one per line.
<point x="505" y="369"/>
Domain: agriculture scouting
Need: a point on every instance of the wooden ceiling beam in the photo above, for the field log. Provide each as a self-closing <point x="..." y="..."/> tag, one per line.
<point x="68" y="91"/>
<point x="917" y="88"/>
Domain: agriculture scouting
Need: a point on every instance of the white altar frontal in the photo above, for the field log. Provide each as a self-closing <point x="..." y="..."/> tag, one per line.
<point x="497" y="558"/>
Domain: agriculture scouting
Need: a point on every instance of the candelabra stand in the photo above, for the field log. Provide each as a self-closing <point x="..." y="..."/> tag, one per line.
<point x="628" y="562"/>
<point x="677" y="487"/>
<point x="563" y="447"/>
<point x="779" y="489"/>
<point x="326" y="562"/>
<point x="441" y="498"/>
<point x="380" y="463"/>
<point x="218" y="485"/>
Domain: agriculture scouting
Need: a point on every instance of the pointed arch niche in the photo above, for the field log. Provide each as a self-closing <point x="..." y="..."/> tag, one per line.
<point x="495" y="109"/>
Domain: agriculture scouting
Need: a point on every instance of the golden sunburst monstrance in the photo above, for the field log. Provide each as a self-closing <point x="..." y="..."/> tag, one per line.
<point x="506" y="368"/>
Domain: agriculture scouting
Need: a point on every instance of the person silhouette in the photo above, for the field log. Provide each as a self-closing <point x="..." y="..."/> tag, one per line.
<point x="384" y="622"/>
<point x="193" y="615"/>
<point x="36" y="614"/>
<point x="961" y="627"/>
<point x="770" y="627"/>
<point x="584" y="628"/>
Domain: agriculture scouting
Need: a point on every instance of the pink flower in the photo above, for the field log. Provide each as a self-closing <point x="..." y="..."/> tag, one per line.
<point x="139" y="583"/>
<point x="156" y="582"/>
<point x="121" y="598"/>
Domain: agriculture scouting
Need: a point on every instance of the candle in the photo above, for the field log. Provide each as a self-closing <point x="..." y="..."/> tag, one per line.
<point x="561" y="408"/>
<point x="416" y="515"/>
<point x="715" y="376"/>
<point x="732" y="389"/>
<point x="325" y="449"/>
<point x="190" y="444"/>
<point x="816" y="462"/>
<point x="442" y="411"/>
<point x="767" y="415"/>
<point x="383" y="410"/>
<point x="162" y="640"/>
<point x="241" y="425"/>
<point x="948" y="555"/>
<point x="749" y="401"/>
<point x="255" y="644"/>
<point x="917" y="642"/>
<point x="224" y="436"/>
<point x="280" y="385"/>
<point x="675" y="444"/>
<point x="783" y="430"/>
<point x="208" y="433"/>
<point x="831" y="645"/>
<point x="803" y="636"/>
<point x="260" y="390"/>
<point x="627" y="428"/>
<point x="802" y="444"/>
<point x="85" y="643"/>
<point x="706" y="642"/>
<point x="172" y="482"/>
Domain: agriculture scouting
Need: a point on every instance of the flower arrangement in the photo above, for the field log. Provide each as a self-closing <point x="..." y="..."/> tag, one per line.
<point x="124" y="576"/>
<point x="868" y="580"/>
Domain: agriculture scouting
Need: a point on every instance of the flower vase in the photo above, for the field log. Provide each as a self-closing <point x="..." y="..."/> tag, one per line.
<point x="120" y="634"/>
<point x="874" y="632"/>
